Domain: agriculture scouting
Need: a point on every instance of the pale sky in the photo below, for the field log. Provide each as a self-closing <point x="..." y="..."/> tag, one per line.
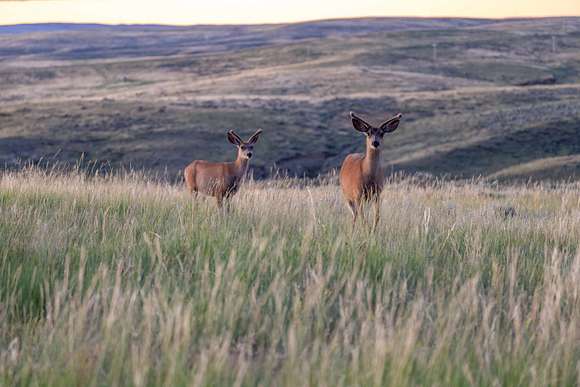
<point x="266" y="11"/>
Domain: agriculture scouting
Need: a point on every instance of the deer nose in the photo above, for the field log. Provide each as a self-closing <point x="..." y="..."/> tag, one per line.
<point x="249" y="155"/>
<point x="376" y="144"/>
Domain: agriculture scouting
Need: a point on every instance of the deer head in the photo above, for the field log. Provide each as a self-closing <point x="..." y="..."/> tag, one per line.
<point x="245" y="148"/>
<point x="375" y="134"/>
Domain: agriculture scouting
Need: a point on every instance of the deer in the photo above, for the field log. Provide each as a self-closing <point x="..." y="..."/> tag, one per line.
<point x="221" y="180"/>
<point x="361" y="175"/>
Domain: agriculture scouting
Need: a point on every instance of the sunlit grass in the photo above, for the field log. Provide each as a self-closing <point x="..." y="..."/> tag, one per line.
<point x="125" y="281"/>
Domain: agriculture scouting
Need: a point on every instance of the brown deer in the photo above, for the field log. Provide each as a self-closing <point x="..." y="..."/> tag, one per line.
<point x="221" y="180"/>
<point x="361" y="175"/>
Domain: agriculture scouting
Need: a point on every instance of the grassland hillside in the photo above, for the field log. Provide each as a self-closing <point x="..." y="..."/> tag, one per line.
<point x="119" y="280"/>
<point x="496" y="97"/>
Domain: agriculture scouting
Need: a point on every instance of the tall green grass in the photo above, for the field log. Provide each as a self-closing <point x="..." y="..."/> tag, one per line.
<point x="124" y="281"/>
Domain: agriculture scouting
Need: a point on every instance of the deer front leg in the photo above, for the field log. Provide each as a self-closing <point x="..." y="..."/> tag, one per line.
<point x="194" y="195"/>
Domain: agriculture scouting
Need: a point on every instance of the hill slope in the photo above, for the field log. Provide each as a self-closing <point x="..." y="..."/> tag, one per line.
<point x="494" y="96"/>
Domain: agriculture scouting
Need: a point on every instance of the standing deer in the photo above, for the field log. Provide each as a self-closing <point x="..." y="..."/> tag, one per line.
<point x="221" y="180"/>
<point x="361" y="175"/>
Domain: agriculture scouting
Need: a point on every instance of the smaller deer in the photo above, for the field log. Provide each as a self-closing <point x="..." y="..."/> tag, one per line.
<point x="361" y="175"/>
<point x="221" y="180"/>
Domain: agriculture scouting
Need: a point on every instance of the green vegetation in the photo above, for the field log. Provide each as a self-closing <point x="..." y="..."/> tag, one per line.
<point x="124" y="281"/>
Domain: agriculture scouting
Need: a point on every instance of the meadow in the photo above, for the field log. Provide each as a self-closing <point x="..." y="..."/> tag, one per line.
<point x="121" y="280"/>
<point x="113" y="278"/>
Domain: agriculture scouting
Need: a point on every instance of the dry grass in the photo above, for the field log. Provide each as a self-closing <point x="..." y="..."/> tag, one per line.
<point x="124" y="281"/>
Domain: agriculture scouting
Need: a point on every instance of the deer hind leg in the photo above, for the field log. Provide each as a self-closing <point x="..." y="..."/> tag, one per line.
<point x="354" y="210"/>
<point x="189" y="174"/>
<point x="224" y="206"/>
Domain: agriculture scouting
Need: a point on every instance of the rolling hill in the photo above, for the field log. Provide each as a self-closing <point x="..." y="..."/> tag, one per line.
<point x="491" y="98"/>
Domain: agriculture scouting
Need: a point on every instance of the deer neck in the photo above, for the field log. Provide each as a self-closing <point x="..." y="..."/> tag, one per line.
<point x="241" y="166"/>
<point x="371" y="162"/>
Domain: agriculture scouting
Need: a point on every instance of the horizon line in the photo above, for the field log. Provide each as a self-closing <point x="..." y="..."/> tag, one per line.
<point x="507" y="18"/>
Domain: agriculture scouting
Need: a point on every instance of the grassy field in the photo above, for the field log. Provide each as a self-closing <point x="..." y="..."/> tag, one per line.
<point x="124" y="281"/>
<point x="120" y="279"/>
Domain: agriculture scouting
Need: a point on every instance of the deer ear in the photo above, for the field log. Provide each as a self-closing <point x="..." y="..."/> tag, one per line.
<point x="359" y="124"/>
<point x="234" y="138"/>
<point x="255" y="137"/>
<point x="392" y="124"/>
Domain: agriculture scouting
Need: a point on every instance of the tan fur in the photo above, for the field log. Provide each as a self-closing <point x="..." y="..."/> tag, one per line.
<point x="361" y="175"/>
<point x="220" y="180"/>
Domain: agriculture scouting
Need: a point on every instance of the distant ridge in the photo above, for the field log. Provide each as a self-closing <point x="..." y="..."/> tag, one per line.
<point x="370" y="24"/>
<point x="316" y="27"/>
<point x="56" y="27"/>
